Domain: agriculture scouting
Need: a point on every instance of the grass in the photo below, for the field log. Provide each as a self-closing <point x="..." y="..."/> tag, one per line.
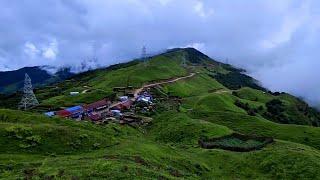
<point x="31" y="133"/>
<point x="155" y="154"/>
<point x="254" y="95"/>
<point x="178" y="128"/>
<point x="212" y="103"/>
<point x="33" y="145"/>
<point x="246" y="124"/>
<point x="197" y="85"/>
<point x="103" y="81"/>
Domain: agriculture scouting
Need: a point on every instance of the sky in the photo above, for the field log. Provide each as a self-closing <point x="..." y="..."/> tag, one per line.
<point x="278" y="42"/>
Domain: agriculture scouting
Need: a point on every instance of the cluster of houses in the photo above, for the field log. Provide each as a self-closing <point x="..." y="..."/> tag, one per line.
<point x="105" y="110"/>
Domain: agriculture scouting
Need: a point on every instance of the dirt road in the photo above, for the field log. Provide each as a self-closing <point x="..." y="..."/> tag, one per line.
<point x="220" y="91"/>
<point x="138" y="91"/>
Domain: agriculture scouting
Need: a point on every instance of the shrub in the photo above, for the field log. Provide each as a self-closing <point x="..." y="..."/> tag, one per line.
<point x="19" y="132"/>
<point x="33" y="140"/>
<point x="236" y="142"/>
<point x="275" y="111"/>
<point x="246" y="107"/>
<point x="24" y="134"/>
<point x="96" y="145"/>
<point x="235" y="80"/>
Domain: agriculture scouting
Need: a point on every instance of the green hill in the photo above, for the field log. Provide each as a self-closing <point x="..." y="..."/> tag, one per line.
<point x="203" y="106"/>
<point x="12" y="81"/>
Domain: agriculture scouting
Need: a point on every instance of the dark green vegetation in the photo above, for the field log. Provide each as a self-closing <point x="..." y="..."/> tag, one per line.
<point x="279" y="107"/>
<point x="43" y="148"/>
<point x="235" y="142"/>
<point x="236" y="80"/>
<point x="12" y="81"/>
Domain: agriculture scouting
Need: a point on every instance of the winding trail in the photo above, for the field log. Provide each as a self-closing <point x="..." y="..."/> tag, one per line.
<point x="220" y="91"/>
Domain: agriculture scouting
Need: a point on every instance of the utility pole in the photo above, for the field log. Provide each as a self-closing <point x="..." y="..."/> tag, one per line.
<point x="28" y="99"/>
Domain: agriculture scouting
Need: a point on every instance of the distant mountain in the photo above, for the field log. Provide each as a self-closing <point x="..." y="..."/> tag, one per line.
<point x="11" y="81"/>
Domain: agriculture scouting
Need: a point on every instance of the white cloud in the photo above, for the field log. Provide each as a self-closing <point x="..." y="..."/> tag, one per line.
<point x="256" y="35"/>
<point x="200" y="10"/>
<point x="31" y="50"/>
<point x="292" y="21"/>
<point x="50" y="51"/>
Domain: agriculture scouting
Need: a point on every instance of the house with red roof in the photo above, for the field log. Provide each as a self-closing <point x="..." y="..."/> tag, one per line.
<point x="96" y="106"/>
<point x="63" y="113"/>
<point x="126" y="105"/>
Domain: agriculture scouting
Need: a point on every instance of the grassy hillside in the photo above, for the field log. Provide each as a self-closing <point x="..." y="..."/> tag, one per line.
<point x="34" y="146"/>
<point x="167" y="150"/>
<point x="31" y="133"/>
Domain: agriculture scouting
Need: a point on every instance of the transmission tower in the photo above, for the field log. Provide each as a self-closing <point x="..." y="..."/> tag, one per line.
<point x="184" y="60"/>
<point x="94" y="51"/>
<point x="28" y="99"/>
<point x="144" y="55"/>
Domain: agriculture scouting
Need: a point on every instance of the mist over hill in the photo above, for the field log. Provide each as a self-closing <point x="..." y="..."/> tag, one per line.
<point x="206" y="120"/>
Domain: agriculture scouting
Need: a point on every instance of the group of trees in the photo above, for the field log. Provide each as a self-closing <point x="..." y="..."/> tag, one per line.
<point x="275" y="111"/>
<point x="236" y="80"/>
<point x="250" y="110"/>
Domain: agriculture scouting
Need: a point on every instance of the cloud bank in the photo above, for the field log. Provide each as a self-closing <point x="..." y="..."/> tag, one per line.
<point x="277" y="41"/>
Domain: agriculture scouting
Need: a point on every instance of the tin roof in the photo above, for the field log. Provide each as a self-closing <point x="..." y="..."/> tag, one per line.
<point x="74" y="109"/>
<point x="63" y="113"/>
<point x="97" y="104"/>
<point x="94" y="117"/>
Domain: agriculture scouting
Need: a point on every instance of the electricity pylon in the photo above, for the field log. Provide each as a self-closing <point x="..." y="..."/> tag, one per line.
<point x="184" y="61"/>
<point x="144" y="55"/>
<point x="28" y="99"/>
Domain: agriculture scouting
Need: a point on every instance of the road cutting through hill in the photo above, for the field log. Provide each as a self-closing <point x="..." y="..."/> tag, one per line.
<point x="138" y="91"/>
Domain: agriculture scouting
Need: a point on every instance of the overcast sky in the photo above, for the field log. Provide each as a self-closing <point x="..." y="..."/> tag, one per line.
<point x="277" y="41"/>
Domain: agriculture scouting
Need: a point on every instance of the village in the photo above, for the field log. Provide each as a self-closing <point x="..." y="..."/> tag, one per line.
<point x="122" y="111"/>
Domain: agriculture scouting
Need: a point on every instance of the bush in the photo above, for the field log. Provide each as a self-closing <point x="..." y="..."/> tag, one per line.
<point x="24" y="134"/>
<point x="236" y="142"/>
<point x="246" y="107"/>
<point x="235" y="80"/>
<point x="275" y="111"/>
<point x="33" y="140"/>
<point x="19" y="132"/>
<point x="96" y="145"/>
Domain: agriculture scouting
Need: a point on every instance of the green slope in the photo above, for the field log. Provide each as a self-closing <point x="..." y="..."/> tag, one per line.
<point x="43" y="148"/>
<point x="168" y="150"/>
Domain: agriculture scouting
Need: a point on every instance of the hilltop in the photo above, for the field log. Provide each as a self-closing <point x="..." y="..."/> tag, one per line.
<point x="12" y="81"/>
<point x="216" y="100"/>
